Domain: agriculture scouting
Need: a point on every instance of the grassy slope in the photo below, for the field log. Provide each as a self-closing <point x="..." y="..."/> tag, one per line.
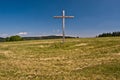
<point x="77" y="59"/>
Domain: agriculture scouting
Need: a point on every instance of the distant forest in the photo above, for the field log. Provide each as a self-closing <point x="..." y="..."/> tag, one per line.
<point x="110" y="34"/>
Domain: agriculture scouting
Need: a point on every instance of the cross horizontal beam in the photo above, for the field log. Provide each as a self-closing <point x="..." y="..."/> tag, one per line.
<point x="63" y="16"/>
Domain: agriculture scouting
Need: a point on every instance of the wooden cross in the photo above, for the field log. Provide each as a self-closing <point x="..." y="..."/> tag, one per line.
<point x="63" y="22"/>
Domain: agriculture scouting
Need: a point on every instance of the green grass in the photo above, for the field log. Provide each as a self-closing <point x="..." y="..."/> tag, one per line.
<point x="77" y="59"/>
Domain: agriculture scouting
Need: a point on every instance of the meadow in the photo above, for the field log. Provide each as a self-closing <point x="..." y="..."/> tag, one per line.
<point x="76" y="59"/>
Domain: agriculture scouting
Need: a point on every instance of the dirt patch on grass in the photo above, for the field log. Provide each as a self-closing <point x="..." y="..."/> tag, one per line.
<point x="118" y="54"/>
<point x="93" y="62"/>
<point x="52" y="58"/>
<point x="4" y="52"/>
<point x="82" y="44"/>
<point x="7" y="53"/>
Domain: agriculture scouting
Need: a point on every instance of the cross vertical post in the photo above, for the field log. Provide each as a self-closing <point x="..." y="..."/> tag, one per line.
<point x="63" y="26"/>
<point x="63" y="23"/>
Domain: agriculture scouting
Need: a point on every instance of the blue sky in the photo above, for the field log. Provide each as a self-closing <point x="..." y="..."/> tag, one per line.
<point x="35" y="17"/>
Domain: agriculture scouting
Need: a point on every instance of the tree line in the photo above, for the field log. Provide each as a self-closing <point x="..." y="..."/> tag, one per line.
<point x="14" y="38"/>
<point x="11" y="38"/>
<point x="110" y="34"/>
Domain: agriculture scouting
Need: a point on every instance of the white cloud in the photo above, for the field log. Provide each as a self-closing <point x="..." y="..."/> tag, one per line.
<point x="4" y="35"/>
<point x="22" y="33"/>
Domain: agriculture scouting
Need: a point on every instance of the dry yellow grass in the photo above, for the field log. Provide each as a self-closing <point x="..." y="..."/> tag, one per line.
<point x="77" y="59"/>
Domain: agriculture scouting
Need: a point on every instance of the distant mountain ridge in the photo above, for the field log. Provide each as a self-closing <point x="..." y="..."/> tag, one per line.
<point x="39" y="38"/>
<point x="46" y="37"/>
<point x="2" y="39"/>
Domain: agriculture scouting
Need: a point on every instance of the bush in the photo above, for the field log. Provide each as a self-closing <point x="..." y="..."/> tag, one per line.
<point x="14" y="38"/>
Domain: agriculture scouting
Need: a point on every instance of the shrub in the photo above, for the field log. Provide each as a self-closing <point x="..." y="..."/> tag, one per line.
<point x="14" y="38"/>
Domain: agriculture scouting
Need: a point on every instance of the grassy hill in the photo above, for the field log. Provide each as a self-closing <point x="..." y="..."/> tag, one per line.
<point x="77" y="59"/>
